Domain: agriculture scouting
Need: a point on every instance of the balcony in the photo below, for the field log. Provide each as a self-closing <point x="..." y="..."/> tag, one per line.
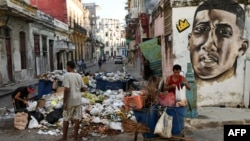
<point x="47" y="19"/>
<point x="79" y="28"/>
<point x="63" y="45"/>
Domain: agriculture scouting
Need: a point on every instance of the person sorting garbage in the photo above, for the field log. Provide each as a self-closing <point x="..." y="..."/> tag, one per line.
<point x="20" y="97"/>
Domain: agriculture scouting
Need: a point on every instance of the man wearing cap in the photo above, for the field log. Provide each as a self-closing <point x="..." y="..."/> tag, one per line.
<point x="20" y="96"/>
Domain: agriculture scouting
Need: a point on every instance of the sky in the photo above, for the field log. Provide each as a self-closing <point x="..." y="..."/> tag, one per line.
<point x="110" y="8"/>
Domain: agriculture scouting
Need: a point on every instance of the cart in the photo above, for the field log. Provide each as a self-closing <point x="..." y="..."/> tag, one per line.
<point x="150" y="116"/>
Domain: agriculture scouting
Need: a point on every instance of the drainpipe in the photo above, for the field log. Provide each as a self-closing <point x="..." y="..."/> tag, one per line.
<point x="191" y="109"/>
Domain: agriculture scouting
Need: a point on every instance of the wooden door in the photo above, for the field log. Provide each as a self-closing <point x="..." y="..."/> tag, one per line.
<point x="37" y="53"/>
<point x="23" y="49"/>
<point x="51" y="55"/>
<point x="9" y="58"/>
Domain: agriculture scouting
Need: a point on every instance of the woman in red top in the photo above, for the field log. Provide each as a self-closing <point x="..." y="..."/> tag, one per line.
<point x="175" y="80"/>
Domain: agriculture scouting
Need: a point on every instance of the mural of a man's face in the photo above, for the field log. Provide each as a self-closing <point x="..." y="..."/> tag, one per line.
<point x="215" y="43"/>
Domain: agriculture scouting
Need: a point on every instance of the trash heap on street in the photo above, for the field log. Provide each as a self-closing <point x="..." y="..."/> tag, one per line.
<point x="56" y="74"/>
<point x="107" y="105"/>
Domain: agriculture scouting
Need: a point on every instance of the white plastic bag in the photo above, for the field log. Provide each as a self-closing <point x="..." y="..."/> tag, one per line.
<point x="33" y="123"/>
<point x="32" y="106"/>
<point x="116" y="126"/>
<point x="164" y="126"/>
<point x="180" y="94"/>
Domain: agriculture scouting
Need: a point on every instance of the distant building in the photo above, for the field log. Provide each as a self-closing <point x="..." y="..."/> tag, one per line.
<point x="90" y="44"/>
<point x="70" y="12"/>
<point x="112" y="36"/>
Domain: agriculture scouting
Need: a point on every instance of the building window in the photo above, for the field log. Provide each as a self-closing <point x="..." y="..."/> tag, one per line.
<point x="37" y="45"/>
<point x="44" y="45"/>
<point x="107" y="34"/>
<point x="22" y="49"/>
<point x="107" y="43"/>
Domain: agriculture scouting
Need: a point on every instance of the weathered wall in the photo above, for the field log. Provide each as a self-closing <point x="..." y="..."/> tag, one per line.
<point x="224" y="88"/>
<point x="56" y="8"/>
<point x="159" y="32"/>
<point x="16" y="26"/>
<point x="20" y="74"/>
<point x="3" y="63"/>
<point x="42" y="62"/>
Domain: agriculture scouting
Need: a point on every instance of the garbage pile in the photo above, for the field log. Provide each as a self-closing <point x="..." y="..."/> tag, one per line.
<point x="56" y="74"/>
<point x="111" y="76"/>
<point x="102" y="113"/>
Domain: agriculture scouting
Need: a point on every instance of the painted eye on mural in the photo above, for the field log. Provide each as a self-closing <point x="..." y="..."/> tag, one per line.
<point x="224" y="31"/>
<point x="201" y="29"/>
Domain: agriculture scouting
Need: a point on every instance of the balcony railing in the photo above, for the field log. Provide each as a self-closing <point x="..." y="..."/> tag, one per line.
<point x="80" y="28"/>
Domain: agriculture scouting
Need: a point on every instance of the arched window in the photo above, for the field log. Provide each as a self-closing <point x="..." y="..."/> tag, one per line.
<point x="22" y="49"/>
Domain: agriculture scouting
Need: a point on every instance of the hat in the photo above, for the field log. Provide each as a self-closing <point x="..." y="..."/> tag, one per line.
<point x="31" y="88"/>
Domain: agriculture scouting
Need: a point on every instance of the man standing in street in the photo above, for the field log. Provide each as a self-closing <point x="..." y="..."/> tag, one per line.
<point x="20" y="97"/>
<point x="83" y="67"/>
<point x="72" y="107"/>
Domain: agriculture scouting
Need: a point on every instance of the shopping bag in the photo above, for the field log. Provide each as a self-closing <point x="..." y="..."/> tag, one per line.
<point x="166" y="99"/>
<point x="33" y="123"/>
<point x="180" y="96"/>
<point x="164" y="126"/>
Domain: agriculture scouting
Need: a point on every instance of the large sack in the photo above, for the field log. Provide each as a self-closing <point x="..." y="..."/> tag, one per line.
<point x="21" y="120"/>
<point x="164" y="125"/>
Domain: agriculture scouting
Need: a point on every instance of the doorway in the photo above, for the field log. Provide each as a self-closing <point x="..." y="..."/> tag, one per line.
<point x="9" y="58"/>
<point x="8" y="53"/>
<point x="51" y="55"/>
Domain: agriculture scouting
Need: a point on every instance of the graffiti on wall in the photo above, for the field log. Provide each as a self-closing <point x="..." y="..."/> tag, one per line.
<point x="216" y="40"/>
<point x="182" y="25"/>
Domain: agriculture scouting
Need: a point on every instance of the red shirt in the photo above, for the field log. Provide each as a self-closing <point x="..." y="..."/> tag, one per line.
<point x="177" y="83"/>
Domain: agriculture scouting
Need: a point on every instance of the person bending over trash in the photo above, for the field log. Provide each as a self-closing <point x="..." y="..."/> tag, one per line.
<point x="20" y="97"/>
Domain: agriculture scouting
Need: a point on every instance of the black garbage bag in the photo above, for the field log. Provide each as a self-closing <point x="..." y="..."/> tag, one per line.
<point x="54" y="116"/>
<point x="37" y="115"/>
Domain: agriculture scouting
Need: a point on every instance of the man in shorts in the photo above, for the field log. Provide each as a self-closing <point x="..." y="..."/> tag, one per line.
<point x="72" y="107"/>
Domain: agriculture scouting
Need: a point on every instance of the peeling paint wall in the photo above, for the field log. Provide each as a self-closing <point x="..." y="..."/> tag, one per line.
<point x="16" y="26"/>
<point x="223" y="90"/>
<point x="3" y="63"/>
<point x="42" y="61"/>
<point x="20" y="74"/>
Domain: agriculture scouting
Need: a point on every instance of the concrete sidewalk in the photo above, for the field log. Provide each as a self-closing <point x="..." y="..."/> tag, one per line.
<point x="8" y="89"/>
<point x="217" y="117"/>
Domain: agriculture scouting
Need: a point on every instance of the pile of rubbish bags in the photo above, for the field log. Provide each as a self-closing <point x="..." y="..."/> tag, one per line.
<point x="102" y="113"/>
<point x="111" y="76"/>
<point x="56" y="74"/>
